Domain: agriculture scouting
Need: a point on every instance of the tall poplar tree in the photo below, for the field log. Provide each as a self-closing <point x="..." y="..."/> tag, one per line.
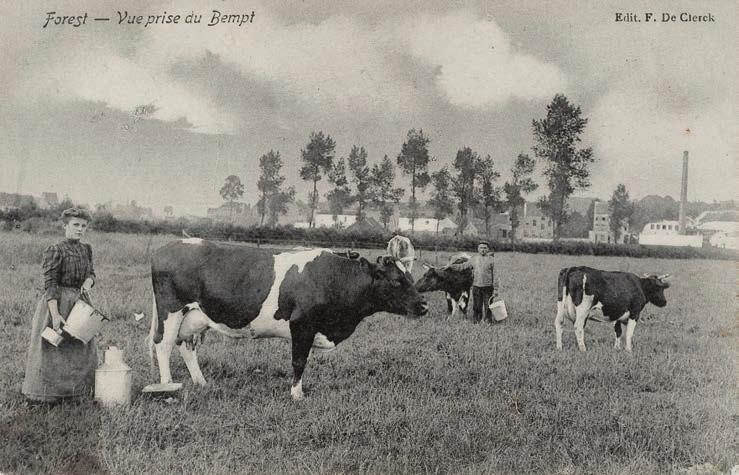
<point x="318" y="159"/>
<point x="414" y="160"/>
<point x="556" y="139"/>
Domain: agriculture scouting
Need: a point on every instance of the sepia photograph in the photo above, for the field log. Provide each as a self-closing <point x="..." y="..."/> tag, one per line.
<point x="331" y="236"/>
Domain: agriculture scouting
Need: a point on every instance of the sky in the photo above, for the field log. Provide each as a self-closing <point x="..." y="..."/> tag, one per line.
<point x="161" y="114"/>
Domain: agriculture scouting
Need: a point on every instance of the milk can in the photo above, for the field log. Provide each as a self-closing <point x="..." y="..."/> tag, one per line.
<point x="113" y="379"/>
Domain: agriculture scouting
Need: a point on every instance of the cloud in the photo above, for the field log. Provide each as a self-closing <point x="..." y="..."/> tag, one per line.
<point x="70" y="68"/>
<point x="478" y="67"/>
<point x="339" y="63"/>
<point x="125" y="85"/>
<point x="639" y="141"/>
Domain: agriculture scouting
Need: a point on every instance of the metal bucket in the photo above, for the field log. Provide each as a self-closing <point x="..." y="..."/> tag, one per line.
<point x="499" y="310"/>
<point x="84" y="322"/>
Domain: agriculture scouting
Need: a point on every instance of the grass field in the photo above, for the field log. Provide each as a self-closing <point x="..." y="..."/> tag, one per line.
<point x="401" y="395"/>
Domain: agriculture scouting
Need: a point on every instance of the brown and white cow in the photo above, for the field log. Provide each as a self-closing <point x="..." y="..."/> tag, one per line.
<point x="311" y="297"/>
<point x="620" y="296"/>
<point x="401" y="248"/>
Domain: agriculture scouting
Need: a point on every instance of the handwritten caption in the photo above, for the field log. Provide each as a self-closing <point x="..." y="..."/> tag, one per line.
<point x="212" y="18"/>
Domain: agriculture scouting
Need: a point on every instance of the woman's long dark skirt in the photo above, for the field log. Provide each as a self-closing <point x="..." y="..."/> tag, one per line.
<point x="66" y="371"/>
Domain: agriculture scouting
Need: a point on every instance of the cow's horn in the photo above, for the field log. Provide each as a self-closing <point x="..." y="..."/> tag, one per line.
<point x="663" y="276"/>
<point x="427" y="265"/>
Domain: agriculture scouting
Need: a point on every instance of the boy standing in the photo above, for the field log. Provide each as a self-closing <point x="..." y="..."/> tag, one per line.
<point x="482" y="282"/>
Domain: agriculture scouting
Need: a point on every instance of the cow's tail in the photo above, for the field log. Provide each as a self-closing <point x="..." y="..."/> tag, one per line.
<point x="152" y="333"/>
<point x="562" y="283"/>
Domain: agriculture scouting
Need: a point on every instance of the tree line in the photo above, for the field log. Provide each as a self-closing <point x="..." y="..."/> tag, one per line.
<point x="467" y="188"/>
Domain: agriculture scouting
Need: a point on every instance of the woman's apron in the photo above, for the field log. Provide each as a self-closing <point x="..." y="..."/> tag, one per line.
<point x="58" y="372"/>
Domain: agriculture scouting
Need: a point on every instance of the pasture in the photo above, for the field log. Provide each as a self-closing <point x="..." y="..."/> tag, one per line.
<point x="401" y="395"/>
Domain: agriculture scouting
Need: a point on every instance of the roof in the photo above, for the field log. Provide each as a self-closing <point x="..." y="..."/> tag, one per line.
<point x="718" y="215"/>
<point x="15" y="199"/>
<point x="532" y="210"/>
<point x="664" y="221"/>
<point x="601" y="207"/>
<point x="581" y="205"/>
<point x="726" y="226"/>
<point x="367" y="224"/>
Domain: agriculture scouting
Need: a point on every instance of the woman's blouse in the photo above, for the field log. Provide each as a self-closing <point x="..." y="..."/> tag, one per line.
<point x="66" y="264"/>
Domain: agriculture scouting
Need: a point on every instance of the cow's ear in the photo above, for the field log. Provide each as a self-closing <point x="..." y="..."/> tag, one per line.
<point x="379" y="259"/>
<point x="365" y="265"/>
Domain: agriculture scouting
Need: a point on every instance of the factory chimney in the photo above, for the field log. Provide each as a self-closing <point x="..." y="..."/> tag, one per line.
<point x="684" y="194"/>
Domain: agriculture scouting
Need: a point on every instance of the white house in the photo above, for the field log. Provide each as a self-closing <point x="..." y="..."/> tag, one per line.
<point x="718" y="226"/>
<point x="667" y="233"/>
<point x="327" y="220"/>
<point x="425" y="224"/>
<point x="725" y="240"/>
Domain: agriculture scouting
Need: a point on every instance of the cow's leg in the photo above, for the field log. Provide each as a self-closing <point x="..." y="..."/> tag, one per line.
<point x="190" y="356"/>
<point x="558" y="320"/>
<point x="463" y="301"/>
<point x="302" y="341"/>
<point x="630" y="327"/>
<point x="619" y="332"/>
<point x="581" y="315"/>
<point x="165" y="347"/>
<point x="451" y="305"/>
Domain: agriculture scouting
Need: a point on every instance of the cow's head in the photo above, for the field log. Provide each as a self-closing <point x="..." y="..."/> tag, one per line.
<point x="444" y="278"/>
<point x="654" y="288"/>
<point x="393" y="286"/>
<point x="432" y="279"/>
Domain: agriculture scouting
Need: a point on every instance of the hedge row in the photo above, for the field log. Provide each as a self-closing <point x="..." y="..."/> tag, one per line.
<point x="342" y="238"/>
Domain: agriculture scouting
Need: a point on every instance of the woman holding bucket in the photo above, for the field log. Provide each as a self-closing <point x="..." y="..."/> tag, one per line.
<point x="67" y="370"/>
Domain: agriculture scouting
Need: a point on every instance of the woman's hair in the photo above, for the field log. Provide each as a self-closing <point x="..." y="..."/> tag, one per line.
<point x="70" y="213"/>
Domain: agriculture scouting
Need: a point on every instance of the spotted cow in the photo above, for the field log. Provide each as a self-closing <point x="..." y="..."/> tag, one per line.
<point x="312" y="297"/>
<point x="455" y="283"/>
<point x="620" y="296"/>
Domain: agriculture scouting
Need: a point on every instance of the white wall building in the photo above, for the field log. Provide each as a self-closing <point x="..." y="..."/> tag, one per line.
<point x="667" y="233"/>
<point x="425" y="224"/>
<point x="725" y="240"/>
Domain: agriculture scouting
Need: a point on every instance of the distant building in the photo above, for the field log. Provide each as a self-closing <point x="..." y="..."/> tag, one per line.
<point x="48" y="200"/>
<point x="342" y="221"/>
<point x="721" y="234"/>
<point x="533" y="223"/>
<point x="367" y="224"/>
<point x="132" y="212"/>
<point x="237" y="213"/>
<point x="602" y="226"/>
<point x="10" y="201"/>
<point x="667" y="233"/>
<point x="579" y="205"/>
<point x="725" y="240"/>
<point x="499" y="227"/>
<point x="423" y="224"/>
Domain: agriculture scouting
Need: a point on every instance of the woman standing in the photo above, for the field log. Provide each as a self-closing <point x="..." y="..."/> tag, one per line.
<point x="67" y="371"/>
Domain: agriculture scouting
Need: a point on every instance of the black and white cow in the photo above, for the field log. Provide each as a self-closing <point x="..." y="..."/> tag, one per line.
<point x="456" y="284"/>
<point x="311" y="297"/>
<point x="401" y="248"/>
<point x="620" y="296"/>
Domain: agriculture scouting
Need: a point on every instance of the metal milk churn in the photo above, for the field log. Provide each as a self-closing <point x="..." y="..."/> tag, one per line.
<point x="113" y="379"/>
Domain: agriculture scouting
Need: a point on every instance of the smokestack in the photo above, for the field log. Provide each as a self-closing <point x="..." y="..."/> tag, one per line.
<point x="684" y="194"/>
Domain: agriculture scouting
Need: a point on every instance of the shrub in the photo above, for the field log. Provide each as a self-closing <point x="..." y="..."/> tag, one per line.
<point x="342" y="238"/>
